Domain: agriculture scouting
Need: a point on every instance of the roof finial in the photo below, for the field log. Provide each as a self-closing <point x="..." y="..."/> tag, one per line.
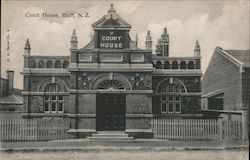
<point x="165" y="30"/>
<point x="148" y="41"/>
<point x="197" y="49"/>
<point x="74" y="36"/>
<point x="111" y="10"/>
<point x="27" y="44"/>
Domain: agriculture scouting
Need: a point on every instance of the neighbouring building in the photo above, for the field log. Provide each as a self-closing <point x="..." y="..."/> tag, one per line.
<point x="111" y="84"/>
<point x="226" y="84"/>
<point x="11" y="101"/>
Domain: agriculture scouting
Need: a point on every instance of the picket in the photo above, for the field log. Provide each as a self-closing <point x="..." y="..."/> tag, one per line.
<point x="196" y="129"/>
<point x="33" y="129"/>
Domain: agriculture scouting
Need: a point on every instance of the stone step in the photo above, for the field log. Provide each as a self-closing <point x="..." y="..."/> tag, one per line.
<point x="110" y="132"/>
<point x="111" y="138"/>
<point x="109" y="135"/>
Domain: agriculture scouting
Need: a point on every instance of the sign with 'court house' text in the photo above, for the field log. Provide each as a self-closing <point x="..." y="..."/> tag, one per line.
<point x="111" y="39"/>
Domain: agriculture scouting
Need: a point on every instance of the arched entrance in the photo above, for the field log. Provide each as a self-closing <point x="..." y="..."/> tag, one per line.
<point x="111" y="105"/>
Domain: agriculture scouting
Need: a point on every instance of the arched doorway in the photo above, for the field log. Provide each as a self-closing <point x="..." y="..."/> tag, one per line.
<point x="110" y="105"/>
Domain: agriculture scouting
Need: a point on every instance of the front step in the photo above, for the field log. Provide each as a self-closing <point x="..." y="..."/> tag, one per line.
<point x="110" y="136"/>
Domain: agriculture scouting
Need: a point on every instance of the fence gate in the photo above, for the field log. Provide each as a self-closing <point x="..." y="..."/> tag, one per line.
<point x="232" y="130"/>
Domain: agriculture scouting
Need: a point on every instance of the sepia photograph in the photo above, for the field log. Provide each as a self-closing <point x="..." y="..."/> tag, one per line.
<point x="125" y="79"/>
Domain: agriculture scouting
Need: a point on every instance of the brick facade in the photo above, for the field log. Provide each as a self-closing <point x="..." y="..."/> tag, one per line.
<point x="128" y="71"/>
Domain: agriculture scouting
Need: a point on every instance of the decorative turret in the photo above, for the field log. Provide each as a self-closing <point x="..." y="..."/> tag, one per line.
<point x="148" y="41"/>
<point x="158" y="49"/>
<point x="165" y="42"/>
<point x="197" y="49"/>
<point x="162" y="47"/>
<point x="27" y="47"/>
<point x="73" y="41"/>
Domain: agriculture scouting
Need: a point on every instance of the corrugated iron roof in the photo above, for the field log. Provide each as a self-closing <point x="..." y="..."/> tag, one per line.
<point x="11" y="99"/>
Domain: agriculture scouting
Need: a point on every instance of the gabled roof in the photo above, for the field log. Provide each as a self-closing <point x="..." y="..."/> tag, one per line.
<point x="241" y="55"/>
<point x="111" y="20"/>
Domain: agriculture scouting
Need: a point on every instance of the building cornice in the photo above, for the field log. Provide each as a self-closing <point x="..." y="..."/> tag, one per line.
<point x="113" y="91"/>
<point x="45" y="72"/>
<point x="177" y="72"/>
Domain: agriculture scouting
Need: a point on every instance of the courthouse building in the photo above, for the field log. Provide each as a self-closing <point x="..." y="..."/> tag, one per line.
<point x="111" y="84"/>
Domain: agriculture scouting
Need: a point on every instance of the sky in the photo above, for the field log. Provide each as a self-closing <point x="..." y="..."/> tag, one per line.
<point x="212" y="23"/>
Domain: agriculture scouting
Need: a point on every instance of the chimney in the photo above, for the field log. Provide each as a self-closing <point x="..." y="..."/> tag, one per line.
<point x="10" y="78"/>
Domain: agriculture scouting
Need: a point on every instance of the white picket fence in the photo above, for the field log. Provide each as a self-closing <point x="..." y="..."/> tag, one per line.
<point x="196" y="129"/>
<point x="33" y="129"/>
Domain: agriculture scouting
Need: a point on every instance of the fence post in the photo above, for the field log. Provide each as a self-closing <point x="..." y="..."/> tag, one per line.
<point x="220" y="122"/>
<point x="245" y="124"/>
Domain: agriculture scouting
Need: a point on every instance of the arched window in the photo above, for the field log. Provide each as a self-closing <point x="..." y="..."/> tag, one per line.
<point x="158" y="65"/>
<point x="175" y="65"/>
<point x="111" y="85"/>
<point x="49" y="64"/>
<point x="58" y="64"/>
<point x="166" y="65"/>
<point x="183" y="65"/>
<point x="33" y="64"/>
<point x="53" y="102"/>
<point x="65" y="64"/>
<point x="170" y="95"/>
<point x="190" y="65"/>
<point x="41" y="64"/>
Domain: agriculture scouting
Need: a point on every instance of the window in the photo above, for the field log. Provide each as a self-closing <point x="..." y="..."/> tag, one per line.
<point x="49" y="64"/>
<point x="171" y="99"/>
<point x="170" y="90"/>
<point x="158" y="65"/>
<point x="164" y="107"/>
<point x="170" y="104"/>
<point x="111" y="85"/>
<point x="53" y="104"/>
<point x="191" y="65"/>
<point x="65" y="64"/>
<point x="183" y="65"/>
<point x="58" y="64"/>
<point x="174" y="65"/>
<point x="166" y="65"/>
<point x="170" y="108"/>
<point x="41" y="64"/>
